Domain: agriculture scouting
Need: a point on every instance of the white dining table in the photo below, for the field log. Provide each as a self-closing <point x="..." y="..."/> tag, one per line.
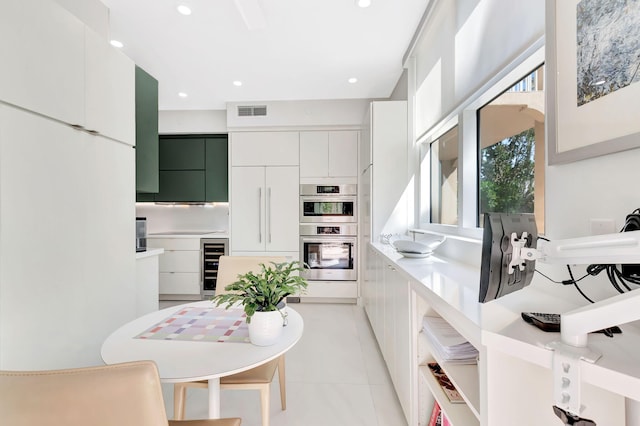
<point x="187" y="361"/>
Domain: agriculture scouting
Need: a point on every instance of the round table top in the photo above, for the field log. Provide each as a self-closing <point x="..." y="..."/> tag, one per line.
<point x="187" y="361"/>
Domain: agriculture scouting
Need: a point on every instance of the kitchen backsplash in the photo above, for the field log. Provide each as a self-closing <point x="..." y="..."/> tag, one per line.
<point x="165" y="218"/>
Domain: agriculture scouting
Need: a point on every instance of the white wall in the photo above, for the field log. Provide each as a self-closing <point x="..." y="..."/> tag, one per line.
<point x="346" y="113"/>
<point x="192" y="121"/>
<point x="401" y="90"/>
<point x="92" y="12"/>
<point x="164" y="218"/>
<point x="464" y="44"/>
<point x="301" y="114"/>
<point x="604" y="187"/>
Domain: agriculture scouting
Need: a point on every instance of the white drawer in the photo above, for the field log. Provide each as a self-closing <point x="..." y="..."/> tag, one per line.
<point x="174" y="243"/>
<point x="179" y="283"/>
<point x="180" y="261"/>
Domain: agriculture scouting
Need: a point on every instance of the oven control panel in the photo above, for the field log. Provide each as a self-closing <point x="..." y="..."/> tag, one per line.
<point x="311" y="229"/>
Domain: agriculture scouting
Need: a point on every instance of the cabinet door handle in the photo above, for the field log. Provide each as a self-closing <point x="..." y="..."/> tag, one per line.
<point x="259" y="215"/>
<point x="269" y="212"/>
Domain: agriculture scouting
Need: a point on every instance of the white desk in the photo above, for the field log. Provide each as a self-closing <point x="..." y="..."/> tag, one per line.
<point x="188" y="361"/>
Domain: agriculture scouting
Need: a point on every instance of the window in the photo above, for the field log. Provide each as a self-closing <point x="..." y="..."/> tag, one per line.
<point x="462" y="169"/>
<point x="444" y="178"/>
<point x="511" y="150"/>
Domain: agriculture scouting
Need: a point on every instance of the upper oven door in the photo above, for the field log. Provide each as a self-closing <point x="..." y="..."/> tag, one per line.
<point x="328" y="209"/>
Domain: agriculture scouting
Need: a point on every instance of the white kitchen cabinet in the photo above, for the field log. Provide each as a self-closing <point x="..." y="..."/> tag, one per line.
<point x="67" y="198"/>
<point x="42" y="50"/>
<point x="180" y="261"/>
<point x="343" y="153"/>
<point x="314" y="154"/>
<point x="264" y="149"/>
<point x="63" y="70"/>
<point x="147" y="281"/>
<point x="179" y="286"/>
<point x="398" y="334"/>
<point x="264" y="209"/>
<point x="384" y="161"/>
<point x="67" y="220"/>
<point x="110" y="90"/>
<point x="387" y="303"/>
<point x="179" y="267"/>
<point x="325" y="154"/>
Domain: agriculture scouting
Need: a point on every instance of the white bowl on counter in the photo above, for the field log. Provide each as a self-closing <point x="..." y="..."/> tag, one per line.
<point x="418" y="249"/>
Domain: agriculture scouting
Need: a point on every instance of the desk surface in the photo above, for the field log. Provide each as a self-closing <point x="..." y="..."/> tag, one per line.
<point x="187" y="361"/>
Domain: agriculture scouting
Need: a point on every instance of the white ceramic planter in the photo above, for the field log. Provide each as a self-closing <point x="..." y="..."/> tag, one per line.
<point x="266" y="327"/>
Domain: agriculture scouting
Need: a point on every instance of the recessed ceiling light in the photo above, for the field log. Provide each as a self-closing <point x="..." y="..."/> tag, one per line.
<point x="116" y="43"/>
<point x="353" y="80"/>
<point x="237" y="83"/>
<point x="182" y="95"/>
<point x="184" y="9"/>
<point x="363" y="3"/>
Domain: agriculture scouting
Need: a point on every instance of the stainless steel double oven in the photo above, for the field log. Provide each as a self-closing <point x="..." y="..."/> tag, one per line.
<point x="328" y="232"/>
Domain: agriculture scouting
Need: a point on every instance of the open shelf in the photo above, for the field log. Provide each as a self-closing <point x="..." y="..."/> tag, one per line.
<point x="458" y="414"/>
<point x="465" y="377"/>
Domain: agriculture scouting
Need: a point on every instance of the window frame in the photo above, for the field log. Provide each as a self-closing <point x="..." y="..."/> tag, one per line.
<point x="465" y="116"/>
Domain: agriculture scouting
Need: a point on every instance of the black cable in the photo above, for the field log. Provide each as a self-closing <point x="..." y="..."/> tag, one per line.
<point x="575" y="283"/>
<point x="618" y="280"/>
<point x="565" y="282"/>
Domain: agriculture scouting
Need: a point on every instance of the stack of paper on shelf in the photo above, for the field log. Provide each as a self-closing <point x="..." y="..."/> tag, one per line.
<point x="447" y="343"/>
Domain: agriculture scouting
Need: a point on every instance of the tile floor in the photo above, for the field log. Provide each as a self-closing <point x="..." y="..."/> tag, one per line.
<point x="335" y="377"/>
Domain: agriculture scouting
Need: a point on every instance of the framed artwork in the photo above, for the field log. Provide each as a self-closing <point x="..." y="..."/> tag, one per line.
<point x="593" y="78"/>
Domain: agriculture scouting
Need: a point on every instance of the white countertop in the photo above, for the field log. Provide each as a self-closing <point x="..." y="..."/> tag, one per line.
<point x="451" y="287"/>
<point x="190" y="234"/>
<point x="149" y="252"/>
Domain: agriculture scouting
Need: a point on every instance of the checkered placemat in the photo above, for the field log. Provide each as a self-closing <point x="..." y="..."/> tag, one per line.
<point x="201" y="324"/>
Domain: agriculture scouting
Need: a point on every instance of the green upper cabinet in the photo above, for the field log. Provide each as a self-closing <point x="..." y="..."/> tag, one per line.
<point x="181" y="153"/>
<point x="217" y="168"/>
<point x="181" y="186"/>
<point x="192" y="168"/>
<point x="147" y="150"/>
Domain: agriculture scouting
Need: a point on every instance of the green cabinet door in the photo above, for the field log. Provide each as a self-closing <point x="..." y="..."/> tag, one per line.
<point x="145" y="197"/>
<point x="147" y="153"/>
<point x="217" y="169"/>
<point x="181" y="153"/>
<point x="192" y="168"/>
<point x="181" y="186"/>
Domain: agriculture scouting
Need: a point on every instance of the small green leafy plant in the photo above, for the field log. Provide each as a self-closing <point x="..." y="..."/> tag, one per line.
<point x="263" y="291"/>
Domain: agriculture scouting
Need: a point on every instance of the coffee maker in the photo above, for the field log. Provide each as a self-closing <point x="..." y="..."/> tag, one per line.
<point x="141" y="234"/>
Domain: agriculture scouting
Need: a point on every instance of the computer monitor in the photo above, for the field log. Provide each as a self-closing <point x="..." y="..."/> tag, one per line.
<point x="497" y="251"/>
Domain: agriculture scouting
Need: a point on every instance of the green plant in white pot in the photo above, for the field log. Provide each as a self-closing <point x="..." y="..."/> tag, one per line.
<point x="262" y="295"/>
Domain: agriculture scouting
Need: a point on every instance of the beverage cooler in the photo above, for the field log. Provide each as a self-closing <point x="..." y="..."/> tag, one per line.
<point x="211" y="250"/>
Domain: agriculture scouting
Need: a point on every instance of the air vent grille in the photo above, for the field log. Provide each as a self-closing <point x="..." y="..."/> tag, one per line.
<point x="252" y="111"/>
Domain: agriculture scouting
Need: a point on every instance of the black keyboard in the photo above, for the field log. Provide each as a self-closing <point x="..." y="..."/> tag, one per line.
<point x="551" y="322"/>
<point x="545" y="322"/>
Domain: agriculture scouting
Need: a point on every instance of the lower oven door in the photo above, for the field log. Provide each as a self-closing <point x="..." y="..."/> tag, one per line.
<point x="329" y="258"/>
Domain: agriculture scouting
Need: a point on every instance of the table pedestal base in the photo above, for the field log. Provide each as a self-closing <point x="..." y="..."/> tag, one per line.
<point x="214" y="398"/>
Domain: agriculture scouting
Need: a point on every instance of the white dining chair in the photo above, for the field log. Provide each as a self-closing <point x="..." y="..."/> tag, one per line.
<point x="258" y="378"/>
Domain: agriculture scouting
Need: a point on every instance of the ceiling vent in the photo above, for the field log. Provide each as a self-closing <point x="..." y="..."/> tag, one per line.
<point x="252" y="111"/>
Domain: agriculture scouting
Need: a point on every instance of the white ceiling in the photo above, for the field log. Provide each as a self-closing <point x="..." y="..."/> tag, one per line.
<point x="288" y="50"/>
